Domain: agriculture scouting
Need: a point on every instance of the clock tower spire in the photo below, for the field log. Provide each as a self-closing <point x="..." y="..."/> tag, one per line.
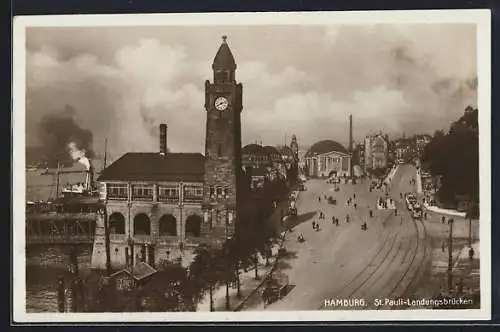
<point x="224" y="66"/>
<point x="223" y="105"/>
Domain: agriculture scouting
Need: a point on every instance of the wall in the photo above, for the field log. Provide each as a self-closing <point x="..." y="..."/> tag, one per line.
<point x="162" y="244"/>
<point x="57" y="255"/>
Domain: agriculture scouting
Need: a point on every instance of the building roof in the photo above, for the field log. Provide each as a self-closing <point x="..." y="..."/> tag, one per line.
<point x="140" y="271"/>
<point x="224" y="58"/>
<point x="271" y="150"/>
<point x="325" y="147"/>
<point x="152" y="166"/>
<point x="254" y="150"/>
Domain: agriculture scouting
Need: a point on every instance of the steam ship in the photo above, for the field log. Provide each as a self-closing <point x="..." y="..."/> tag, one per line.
<point x="70" y="217"/>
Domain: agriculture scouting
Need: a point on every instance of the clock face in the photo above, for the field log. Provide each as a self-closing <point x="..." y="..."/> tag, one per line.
<point x="221" y="103"/>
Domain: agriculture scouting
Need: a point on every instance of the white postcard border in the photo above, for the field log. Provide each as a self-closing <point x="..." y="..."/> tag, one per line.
<point x="480" y="17"/>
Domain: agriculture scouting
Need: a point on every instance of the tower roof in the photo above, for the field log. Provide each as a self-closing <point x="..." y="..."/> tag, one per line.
<point x="224" y="58"/>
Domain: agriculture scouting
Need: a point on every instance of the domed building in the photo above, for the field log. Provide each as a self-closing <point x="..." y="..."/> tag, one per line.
<point x="327" y="158"/>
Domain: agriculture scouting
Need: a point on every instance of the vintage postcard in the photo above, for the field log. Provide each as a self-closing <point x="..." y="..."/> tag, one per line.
<point x="230" y="167"/>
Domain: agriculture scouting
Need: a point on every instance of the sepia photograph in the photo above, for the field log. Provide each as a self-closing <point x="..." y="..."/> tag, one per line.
<point x="252" y="166"/>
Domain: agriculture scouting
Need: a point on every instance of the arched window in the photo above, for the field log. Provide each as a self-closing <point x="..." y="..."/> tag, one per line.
<point x="116" y="223"/>
<point x="193" y="225"/>
<point x="142" y="225"/>
<point x="168" y="225"/>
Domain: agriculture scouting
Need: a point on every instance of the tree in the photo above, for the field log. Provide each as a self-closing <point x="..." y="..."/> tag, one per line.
<point x="206" y="271"/>
<point x="168" y="290"/>
<point x="455" y="157"/>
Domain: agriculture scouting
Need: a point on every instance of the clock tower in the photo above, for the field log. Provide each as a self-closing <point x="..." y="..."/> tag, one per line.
<point x="223" y="105"/>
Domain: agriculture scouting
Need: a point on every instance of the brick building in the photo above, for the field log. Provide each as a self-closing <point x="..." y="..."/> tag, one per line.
<point x="161" y="205"/>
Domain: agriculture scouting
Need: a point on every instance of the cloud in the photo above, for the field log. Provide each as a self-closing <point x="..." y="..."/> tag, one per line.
<point x="303" y="81"/>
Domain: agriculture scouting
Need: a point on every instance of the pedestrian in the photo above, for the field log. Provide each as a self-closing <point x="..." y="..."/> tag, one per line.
<point x="319" y="199"/>
<point x="355" y="206"/>
<point x="336" y="221"/>
<point x="443" y="219"/>
<point x="354" y="196"/>
<point x="371" y="214"/>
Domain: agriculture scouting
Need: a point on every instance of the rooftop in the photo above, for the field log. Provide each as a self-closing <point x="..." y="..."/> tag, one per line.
<point x="254" y="149"/>
<point x="152" y="166"/>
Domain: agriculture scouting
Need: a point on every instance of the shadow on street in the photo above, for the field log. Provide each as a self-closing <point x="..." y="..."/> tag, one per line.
<point x="294" y="221"/>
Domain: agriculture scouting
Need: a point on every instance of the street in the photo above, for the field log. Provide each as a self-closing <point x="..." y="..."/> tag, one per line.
<point x="345" y="262"/>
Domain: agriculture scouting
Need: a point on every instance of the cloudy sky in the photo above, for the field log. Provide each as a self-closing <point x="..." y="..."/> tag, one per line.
<point x="124" y="81"/>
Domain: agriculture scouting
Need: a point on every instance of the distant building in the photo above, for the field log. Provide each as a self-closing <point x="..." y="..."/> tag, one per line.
<point x="327" y="158"/>
<point x="376" y="152"/>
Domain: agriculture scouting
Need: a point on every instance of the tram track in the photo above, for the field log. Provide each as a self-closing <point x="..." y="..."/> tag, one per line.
<point x="415" y="265"/>
<point x="370" y="275"/>
<point x="365" y="274"/>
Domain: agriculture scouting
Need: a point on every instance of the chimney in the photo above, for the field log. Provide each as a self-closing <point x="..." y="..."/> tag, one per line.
<point x="350" y="133"/>
<point x="351" y="169"/>
<point x="163" y="139"/>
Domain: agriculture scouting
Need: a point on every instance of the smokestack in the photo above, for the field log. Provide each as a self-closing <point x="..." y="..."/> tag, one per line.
<point x="351" y="170"/>
<point x="350" y="133"/>
<point x="163" y="139"/>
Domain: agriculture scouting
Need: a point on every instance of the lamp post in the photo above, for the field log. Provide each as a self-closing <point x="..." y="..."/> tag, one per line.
<point x="450" y="256"/>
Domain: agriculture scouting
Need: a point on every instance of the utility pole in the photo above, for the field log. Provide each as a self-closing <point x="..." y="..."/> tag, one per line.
<point x="57" y="180"/>
<point x="470" y="232"/>
<point x="351" y="173"/>
<point x="450" y="256"/>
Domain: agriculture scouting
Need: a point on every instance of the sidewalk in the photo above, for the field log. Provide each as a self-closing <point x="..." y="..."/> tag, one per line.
<point x="466" y="269"/>
<point x="419" y="182"/>
<point x="444" y="211"/>
<point x="389" y="177"/>
<point x="247" y="285"/>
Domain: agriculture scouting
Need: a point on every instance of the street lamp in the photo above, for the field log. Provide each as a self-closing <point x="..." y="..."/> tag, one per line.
<point x="450" y="256"/>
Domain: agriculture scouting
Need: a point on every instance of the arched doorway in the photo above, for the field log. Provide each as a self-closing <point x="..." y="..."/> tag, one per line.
<point x="116" y="223"/>
<point x="193" y="225"/>
<point x="142" y="224"/>
<point x="168" y="225"/>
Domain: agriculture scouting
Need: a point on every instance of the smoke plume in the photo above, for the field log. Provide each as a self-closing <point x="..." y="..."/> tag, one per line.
<point x="63" y="140"/>
<point x="78" y="155"/>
